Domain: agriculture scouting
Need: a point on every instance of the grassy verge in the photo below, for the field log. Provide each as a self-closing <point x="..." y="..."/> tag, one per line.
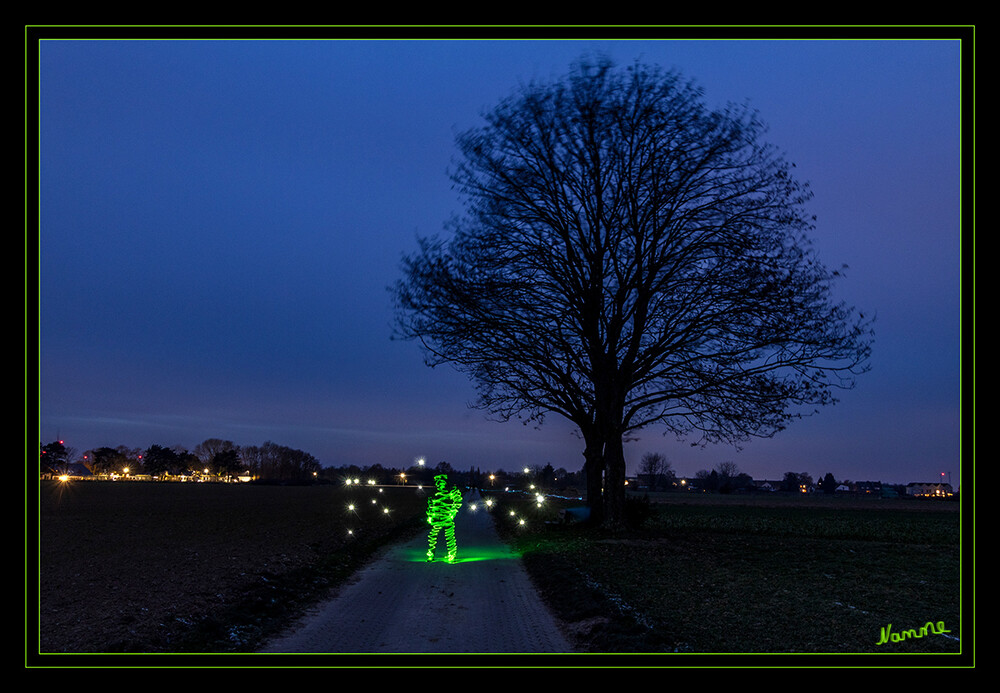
<point x="741" y="577"/>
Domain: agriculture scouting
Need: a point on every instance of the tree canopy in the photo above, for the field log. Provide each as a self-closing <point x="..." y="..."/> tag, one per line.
<point x="629" y="258"/>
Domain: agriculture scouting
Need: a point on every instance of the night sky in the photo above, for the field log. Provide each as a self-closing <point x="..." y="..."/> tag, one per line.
<point x="220" y="222"/>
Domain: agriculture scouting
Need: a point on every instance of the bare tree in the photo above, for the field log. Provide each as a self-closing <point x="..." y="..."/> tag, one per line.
<point x="630" y="258"/>
<point x="654" y="466"/>
<point x="728" y="470"/>
<point x="209" y="448"/>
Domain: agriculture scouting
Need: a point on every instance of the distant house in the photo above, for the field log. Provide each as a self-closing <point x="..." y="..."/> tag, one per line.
<point x="928" y="490"/>
<point x="767" y="485"/>
<point x="868" y="488"/>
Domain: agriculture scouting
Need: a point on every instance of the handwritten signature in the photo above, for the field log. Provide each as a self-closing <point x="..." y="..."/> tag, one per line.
<point x="928" y="628"/>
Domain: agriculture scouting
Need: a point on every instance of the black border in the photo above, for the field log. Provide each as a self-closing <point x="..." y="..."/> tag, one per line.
<point x="965" y="33"/>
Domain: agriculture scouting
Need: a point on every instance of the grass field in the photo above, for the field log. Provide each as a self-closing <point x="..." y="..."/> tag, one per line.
<point x="757" y="574"/>
<point x="148" y="567"/>
<point x="175" y="567"/>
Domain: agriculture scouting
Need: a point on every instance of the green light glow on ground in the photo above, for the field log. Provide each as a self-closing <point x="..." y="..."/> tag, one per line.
<point x="470" y="554"/>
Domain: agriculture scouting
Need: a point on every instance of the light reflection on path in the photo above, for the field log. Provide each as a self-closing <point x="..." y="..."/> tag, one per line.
<point x="481" y="603"/>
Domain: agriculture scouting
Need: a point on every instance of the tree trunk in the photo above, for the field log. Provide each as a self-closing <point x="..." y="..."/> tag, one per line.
<point x="594" y="471"/>
<point x="614" y="483"/>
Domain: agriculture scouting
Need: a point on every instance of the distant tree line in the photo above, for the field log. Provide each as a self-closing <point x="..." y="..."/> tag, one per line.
<point x="215" y="458"/>
<point x="656" y="474"/>
<point x="725" y="478"/>
<point x="270" y="462"/>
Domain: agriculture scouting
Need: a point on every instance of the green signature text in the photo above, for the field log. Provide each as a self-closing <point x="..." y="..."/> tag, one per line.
<point x="928" y="628"/>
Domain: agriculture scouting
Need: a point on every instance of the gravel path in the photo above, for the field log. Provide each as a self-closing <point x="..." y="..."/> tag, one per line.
<point x="483" y="603"/>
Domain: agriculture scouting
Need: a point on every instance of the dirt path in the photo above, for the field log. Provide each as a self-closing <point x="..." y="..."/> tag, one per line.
<point x="483" y="603"/>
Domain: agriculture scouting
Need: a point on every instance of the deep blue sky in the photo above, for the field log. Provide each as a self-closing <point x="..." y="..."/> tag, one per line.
<point x="219" y="222"/>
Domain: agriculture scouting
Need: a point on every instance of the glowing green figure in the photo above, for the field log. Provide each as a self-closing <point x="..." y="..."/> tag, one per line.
<point x="441" y="510"/>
